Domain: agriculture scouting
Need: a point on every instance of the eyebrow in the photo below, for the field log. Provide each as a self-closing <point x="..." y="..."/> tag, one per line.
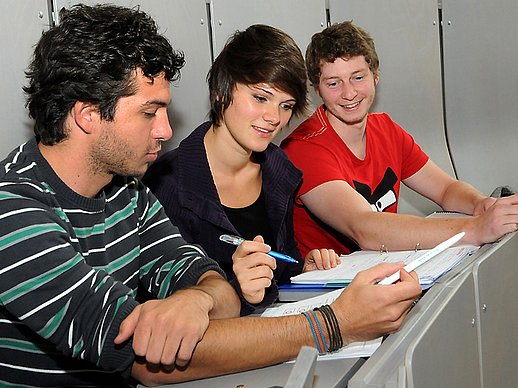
<point x="271" y="93"/>
<point x="159" y="103"/>
<point x="352" y="74"/>
<point x="262" y="89"/>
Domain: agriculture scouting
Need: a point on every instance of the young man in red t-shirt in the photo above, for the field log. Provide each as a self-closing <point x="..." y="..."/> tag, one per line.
<point x="353" y="162"/>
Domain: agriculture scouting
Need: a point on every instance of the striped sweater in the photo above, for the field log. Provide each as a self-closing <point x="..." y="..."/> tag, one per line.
<point x="70" y="269"/>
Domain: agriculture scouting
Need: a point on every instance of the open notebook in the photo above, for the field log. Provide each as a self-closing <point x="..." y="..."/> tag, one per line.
<point x="358" y="261"/>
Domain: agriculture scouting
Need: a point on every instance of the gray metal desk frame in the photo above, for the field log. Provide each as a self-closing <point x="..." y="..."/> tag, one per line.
<point x="328" y="374"/>
<point x="462" y="333"/>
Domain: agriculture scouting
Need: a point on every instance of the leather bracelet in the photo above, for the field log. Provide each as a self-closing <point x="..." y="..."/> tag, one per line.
<point x="313" y="331"/>
<point x="326" y="348"/>
<point x="332" y="326"/>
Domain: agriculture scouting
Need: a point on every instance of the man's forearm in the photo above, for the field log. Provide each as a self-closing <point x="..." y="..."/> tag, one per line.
<point x="404" y="231"/>
<point x="234" y="345"/>
<point x="461" y="197"/>
<point x="226" y="300"/>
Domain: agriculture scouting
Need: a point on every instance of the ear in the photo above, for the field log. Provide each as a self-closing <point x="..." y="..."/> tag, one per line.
<point x="376" y="79"/>
<point x="86" y="116"/>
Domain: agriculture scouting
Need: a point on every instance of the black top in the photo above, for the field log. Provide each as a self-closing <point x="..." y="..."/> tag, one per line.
<point x="251" y="220"/>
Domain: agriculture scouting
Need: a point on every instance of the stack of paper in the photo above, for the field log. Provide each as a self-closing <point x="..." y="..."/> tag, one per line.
<point x="358" y="261"/>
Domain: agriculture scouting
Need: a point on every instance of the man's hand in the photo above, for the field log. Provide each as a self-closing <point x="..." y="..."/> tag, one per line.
<point x="366" y="310"/>
<point x="483" y="205"/>
<point x="494" y="218"/>
<point x="253" y="269"/>
<point x="320" y="259"/>
<point x="166" y="331"/>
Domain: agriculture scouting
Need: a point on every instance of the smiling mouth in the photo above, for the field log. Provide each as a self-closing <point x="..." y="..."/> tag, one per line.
<point x="262" y="130"/>
<point x="351" y="106"/>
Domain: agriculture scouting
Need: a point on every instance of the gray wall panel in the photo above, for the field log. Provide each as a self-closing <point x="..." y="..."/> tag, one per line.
<point x="406" y="35"/>
<point x="481" y="90"/>
<point x="21" y="24"/>
<point x="299" y="18"/>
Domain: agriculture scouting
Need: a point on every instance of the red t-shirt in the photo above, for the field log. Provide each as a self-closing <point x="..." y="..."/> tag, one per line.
<point x="316" y="149"/>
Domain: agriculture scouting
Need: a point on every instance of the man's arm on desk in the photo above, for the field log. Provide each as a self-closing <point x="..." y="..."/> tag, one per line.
<point x="338" y="205"/>
<point x="166" y="331"/>
<point x="364" y="311"/>
<point x="493" y="217"/>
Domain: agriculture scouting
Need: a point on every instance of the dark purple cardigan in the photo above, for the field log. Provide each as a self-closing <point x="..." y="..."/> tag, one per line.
<point x="182" y="181"/>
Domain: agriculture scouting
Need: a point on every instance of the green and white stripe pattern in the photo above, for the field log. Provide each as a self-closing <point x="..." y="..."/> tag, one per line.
<point x="70" y="268"/>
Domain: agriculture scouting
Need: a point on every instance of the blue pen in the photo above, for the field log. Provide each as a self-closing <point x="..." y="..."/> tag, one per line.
<point x="236" y="240"/>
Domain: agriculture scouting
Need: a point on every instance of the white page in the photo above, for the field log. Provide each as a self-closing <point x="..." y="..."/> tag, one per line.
<point x="361" y="260"/>
<point x="353" y="350"/>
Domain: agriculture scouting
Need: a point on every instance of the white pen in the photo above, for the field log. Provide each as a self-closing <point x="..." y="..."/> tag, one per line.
<point x="423" y="258"/>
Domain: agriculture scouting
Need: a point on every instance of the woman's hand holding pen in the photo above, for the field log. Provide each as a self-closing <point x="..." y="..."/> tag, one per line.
<point x="320" y="259"/>
<point x="253" y="269"/>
